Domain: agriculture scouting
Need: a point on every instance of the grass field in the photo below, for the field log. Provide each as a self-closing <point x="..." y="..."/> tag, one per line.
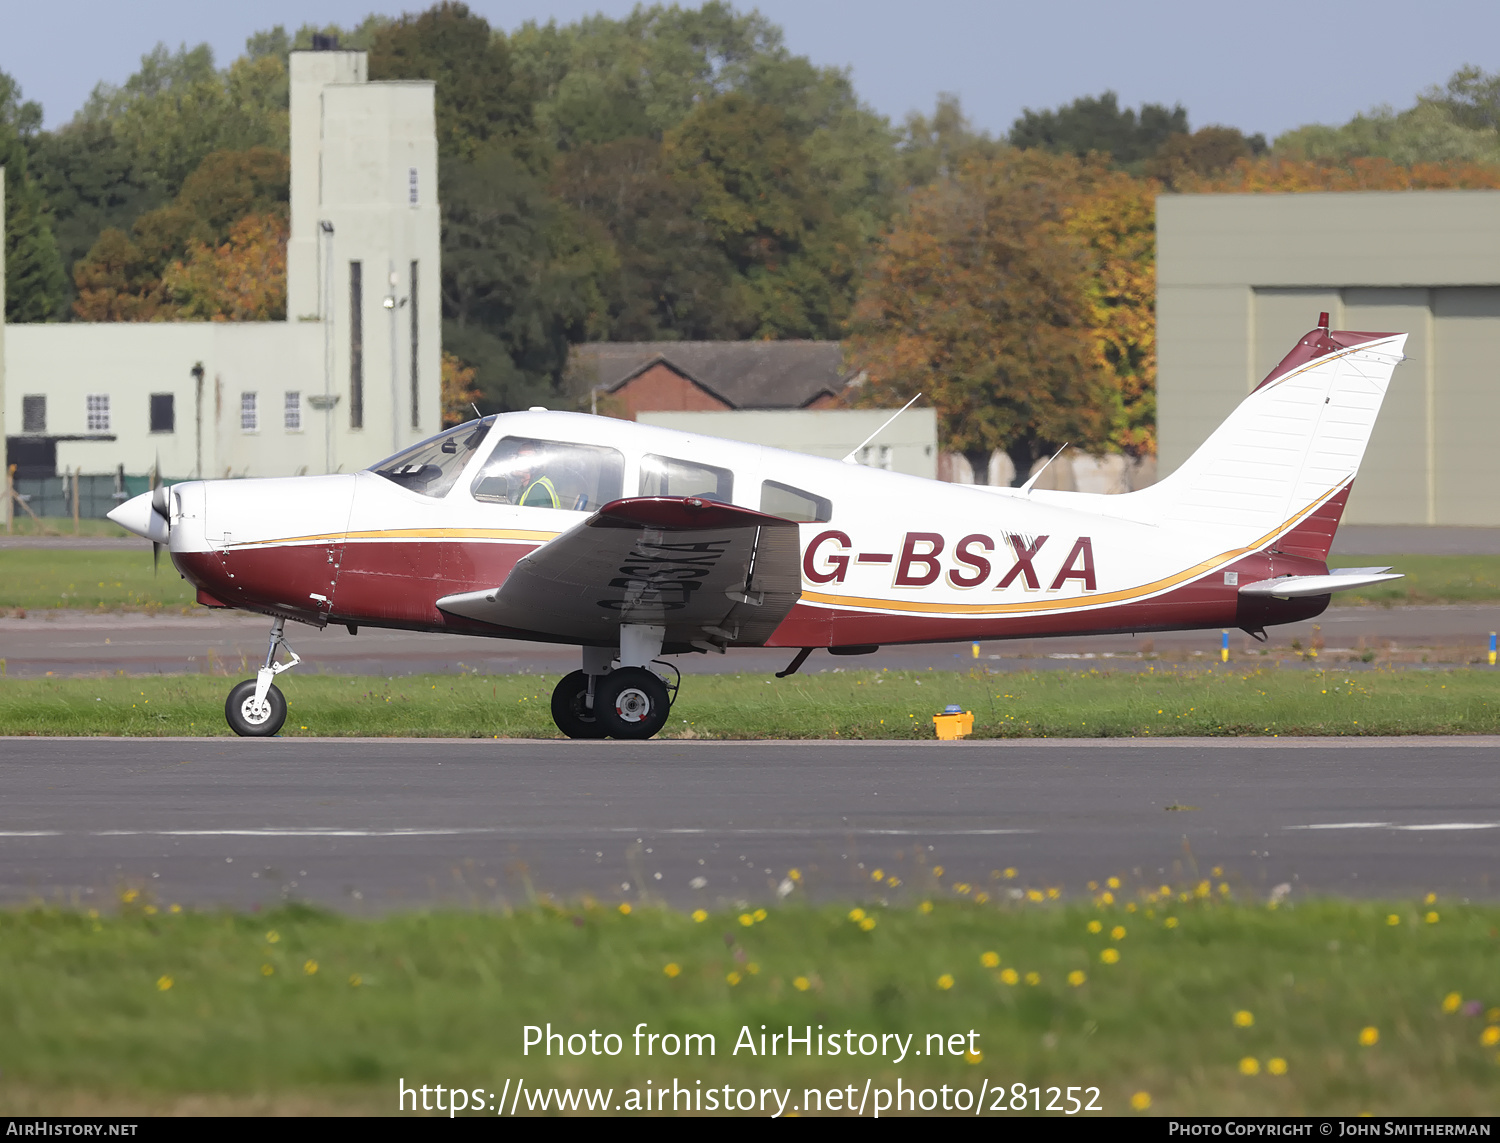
<point x="24" y="525"/>
<point x="853" y="705"/>
<point x="123" y="580"/>
<point x="107" y="579"/>
<point x="1186" y="1003"/>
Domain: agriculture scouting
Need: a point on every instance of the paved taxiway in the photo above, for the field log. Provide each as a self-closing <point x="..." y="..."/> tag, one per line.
<point x="372" y="825"/>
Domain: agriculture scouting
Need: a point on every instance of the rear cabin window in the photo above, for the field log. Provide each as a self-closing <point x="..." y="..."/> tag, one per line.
<point x="667" y="476"/>
<point x="794" y="504"/>
<point x="433" y="466"/>
<point x="551" y="474"/>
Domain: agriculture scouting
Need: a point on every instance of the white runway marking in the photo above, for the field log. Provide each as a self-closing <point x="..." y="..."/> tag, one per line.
<point x="335" y="831"/>
<point x="1453" y="825"/>
<point x="1346" y="825"/>
<point x="1421" y="827"/>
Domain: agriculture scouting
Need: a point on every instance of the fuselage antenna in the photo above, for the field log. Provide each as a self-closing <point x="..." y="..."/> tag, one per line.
<point x="855" y="451"/>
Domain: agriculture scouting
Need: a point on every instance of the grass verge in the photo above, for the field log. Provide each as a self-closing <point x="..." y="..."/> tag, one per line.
<point x="106" y="579"/>
<point x="850" y="705"/>
<point x="1428" y="579"/>
<point x="1184" y="1004"/>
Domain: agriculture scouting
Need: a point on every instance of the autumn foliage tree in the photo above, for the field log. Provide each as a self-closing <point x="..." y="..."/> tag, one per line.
<point x="244" y="279"/>
<point x="979" y="300"/>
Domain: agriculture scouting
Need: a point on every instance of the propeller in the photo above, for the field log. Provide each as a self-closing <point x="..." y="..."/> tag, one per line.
<point x="160" y="506"/>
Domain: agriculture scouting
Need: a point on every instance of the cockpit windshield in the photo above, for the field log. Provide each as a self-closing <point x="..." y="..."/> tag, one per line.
<point x="550" y="474"/>
<point x="432" y="466"/>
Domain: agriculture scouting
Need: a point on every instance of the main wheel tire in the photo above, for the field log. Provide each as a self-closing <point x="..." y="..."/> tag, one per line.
<point x="247" y="721"/>
<point x="631" y="702"/>
<point x="570" y="707"/>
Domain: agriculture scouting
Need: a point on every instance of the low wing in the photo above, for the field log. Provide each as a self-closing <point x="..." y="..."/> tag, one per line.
<point x="1340" y="579"/>
<point x="712" y="574"/>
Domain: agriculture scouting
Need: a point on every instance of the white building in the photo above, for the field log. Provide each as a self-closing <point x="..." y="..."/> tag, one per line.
<point x="351" y="375"/>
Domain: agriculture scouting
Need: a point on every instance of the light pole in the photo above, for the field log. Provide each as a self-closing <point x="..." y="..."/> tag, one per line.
<point x="327" y="400"/>
<point x="392" y="304"/>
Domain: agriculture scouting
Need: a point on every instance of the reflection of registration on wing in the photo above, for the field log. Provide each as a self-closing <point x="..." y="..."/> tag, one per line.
<point x="637" y="543"/>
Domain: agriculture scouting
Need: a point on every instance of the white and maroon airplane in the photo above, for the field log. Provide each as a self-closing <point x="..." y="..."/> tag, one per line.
<point x="635" y="542"/>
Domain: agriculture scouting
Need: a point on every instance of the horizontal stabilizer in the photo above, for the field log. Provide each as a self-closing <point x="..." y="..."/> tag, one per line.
<point x="1296" y="586"/>
<point x="712" y="574"/>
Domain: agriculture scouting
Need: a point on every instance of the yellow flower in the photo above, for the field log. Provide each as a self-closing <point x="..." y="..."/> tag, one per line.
<point x="801" y="983"/>
<point x="1249" y="1066"/>
<point x="1110" y="956"/>
<point x="1113" y="882"/>
<point x="355" y="980"/>
<point x="150" y="910"/>
<point x="794" y="874"/>
<point x="1452" y="1001"/>
<point x="1393" y="919"/>
<point x="760" y="914"/>
<point x="1369" y="1036"/>
<point x="1034" y="895"/>
<point x="1076" y="978"/>
<point x="1430" y="899"/>
<point x="1033" y="978"/>
<point x="1053" y="894"/>
<point x="856" y="915"/>
<point x="272" y="937"/>
<point x="733" y="978"/>
<point x="1243" y="1019"/>
<point x="1010" y="874"/>
<point x="747" y="920"/>
<point x="752" y="968"/>
<point x="990" y="959"/>
<point x="973" y="1057"/>
<point x="266" y="970"/>
<point x="1490" y="1036"/>
<point x="981" y="898"/>
<point x="878" y="875"/>
<point x="937" y="870"/>
<point x="893" y="881"/>
<point x="624" y="908"/>
<point x="1095" y="927"/>
<point x="1141" y="1100"/>
<point x="1117" y="933"/>
<point x="1106" y="898"/>
<point x="129" y="896"/>
<point x="176" y="909"/>
<point x="163" y="983"/>
<point x="925" y="907"/>
<point x="1276" y="1066"/>
<point x="310" y="967"/>
<point x="867" y="924"/>
<point x="700" y="915"/>
<point x="1009" y="976"/>
<point x="945" y="981"/>
<point x="1431" y="918"/>
<point x="1170" y="922"/>
<point x="672" y="969"/>
<point x="964" y="887"/>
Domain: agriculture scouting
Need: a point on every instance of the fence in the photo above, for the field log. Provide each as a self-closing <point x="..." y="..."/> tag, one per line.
<point x="97" y="495"/>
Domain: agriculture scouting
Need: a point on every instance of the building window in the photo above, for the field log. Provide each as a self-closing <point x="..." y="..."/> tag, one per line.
<point x="34" y="413"/>
<point x="416" y="397"/>
<point x="97" y="407"/>
<point x="163" y="413"/>
<point x="291" y="415"/>
<point x="249" y="414"/>
<point x="356" y="347"/>
<point x="411" y="186"/>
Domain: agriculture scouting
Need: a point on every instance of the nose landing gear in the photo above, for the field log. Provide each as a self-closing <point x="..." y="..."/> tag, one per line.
<point x="630" y="701"/>
<point x="256" y="708"/>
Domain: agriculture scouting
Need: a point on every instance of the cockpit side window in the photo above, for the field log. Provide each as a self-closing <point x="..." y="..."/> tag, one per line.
<point x="790" y="503"/>
<point x="667" y="476"/>
<point x="433" y="466"/>
<point x="550" y="474"/>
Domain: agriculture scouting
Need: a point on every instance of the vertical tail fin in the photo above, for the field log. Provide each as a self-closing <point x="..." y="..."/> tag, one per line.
<point x="1283" y="461"/>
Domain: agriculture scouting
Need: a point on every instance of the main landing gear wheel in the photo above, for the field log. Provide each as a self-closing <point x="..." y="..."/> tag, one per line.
<point x="251" y="720"/>
<point x="570" y="707"/>
<point x="631" y="702"/>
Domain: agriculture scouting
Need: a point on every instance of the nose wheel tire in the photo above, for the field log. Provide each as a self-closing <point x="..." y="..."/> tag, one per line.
<point x="570" y="708"/>
<point x="631" y="702"/>
<point x="247" y="719"/>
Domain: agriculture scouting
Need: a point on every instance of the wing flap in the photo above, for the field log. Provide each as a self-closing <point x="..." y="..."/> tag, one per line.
<point x="711" y="574"/>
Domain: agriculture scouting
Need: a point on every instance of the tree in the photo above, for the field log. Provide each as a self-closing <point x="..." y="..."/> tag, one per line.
<point x="244" y="279"/>
<point x="1206" y="152"/>
<point x="122" y="277"/>
<point x="458" y="390"/>
<point x="35" y="284"/>
<point x="666" y="278"/>
<point x="937" y="147"/>
<point x="755" y="192"/>
<point x="1098" y="123"/>
<point x="1270" y="174"/>
<point x="977" y="300"/>
<point x="1116" y="223"/>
